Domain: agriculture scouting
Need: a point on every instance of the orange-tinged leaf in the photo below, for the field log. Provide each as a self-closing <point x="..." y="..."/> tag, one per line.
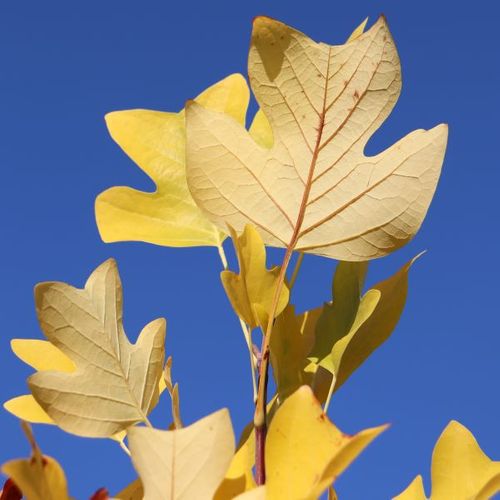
<point x="314" y="190"/>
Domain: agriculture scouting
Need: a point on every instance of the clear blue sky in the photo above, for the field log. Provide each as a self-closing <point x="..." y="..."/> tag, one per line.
<point x="65" y="64"/>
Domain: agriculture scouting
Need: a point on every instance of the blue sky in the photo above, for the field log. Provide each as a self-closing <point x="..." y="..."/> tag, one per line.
<point x="65" y="64"/>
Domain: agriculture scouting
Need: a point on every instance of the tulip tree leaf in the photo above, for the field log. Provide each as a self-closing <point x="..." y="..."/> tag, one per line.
<point x="115" y="383"/>
<point x="340" y="348"/>
<point x="183" y="464"/>
<point x="252" y="290"/>
<point x="314" y="190"/>
<point x="305" y="452"/>
<point x="460" y="469"/>
<point x="156" y="142"/>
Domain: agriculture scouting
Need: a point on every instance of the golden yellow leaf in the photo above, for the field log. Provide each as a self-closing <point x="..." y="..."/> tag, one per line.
<point x="251" y="291"/>
<point x="39" y="477"/>
<point x="239" y="477"/>
<point x="116" y="383"/>
<point x="254" y="494"/>
<point x="315" y="190"/>
<point x="291" y="342"/>
<point x="156" y="142"/>
<point x="26" y="408"/>
<point x="415" y="491"/>
<point x="460" y="469"/>
<point x="185" y="464"/>
<point x="305" y="452"/>
<point x="41" y="355"/>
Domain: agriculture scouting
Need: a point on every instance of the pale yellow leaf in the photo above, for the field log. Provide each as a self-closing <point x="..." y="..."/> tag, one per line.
<point x="315" y="190"/>
<point x="251" y="292"/>
<point x="116" y="383"/>
<point x="39" y="477"/>
<point x="184" y="464"/>
<point x="460" y="469"/>
<point x="305" y="452"/>
<point x="156" y="142"/>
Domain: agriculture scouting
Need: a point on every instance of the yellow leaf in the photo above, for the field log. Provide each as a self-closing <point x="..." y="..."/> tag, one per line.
<point x="26" y="408"/>
<point x="39" y="477"/>
<point x="116" y="383"/>
<point x="255" y="494"/>
<point x="251" y="291"/>
<point x="291" y="342"/>
<point x="305" y="452"/>
<point x="460" y="469"/>
<point x="315" y="190"/>
<point x="337" y="319"/>
<point x="415" y="491"/>
<point x="156" y="142"/>
<point x="183" y="464"/>
<point x="239" y="477"/>
<point x="376" y="320"/>
<point x="41" y="355"/>
<point x="342" y="347"/>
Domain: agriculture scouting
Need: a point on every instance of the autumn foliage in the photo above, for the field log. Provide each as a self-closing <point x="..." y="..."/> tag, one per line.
<point x="297" y="179"/>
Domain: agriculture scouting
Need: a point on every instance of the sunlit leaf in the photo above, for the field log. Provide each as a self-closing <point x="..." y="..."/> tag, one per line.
<point x="185" y="464"/>
<point x="460" y="469"/>
<point x="156" y="142"/>
<point x="251" y="291"/>
<point x="305" y="452"/>
<point x="375" y="318"/>
<point x="39" y="477"/>
<point x="239" y="477"/>
<point x="337" y="319"/>
<point x="315" y="190"/>
<point x="116" y="383"/>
